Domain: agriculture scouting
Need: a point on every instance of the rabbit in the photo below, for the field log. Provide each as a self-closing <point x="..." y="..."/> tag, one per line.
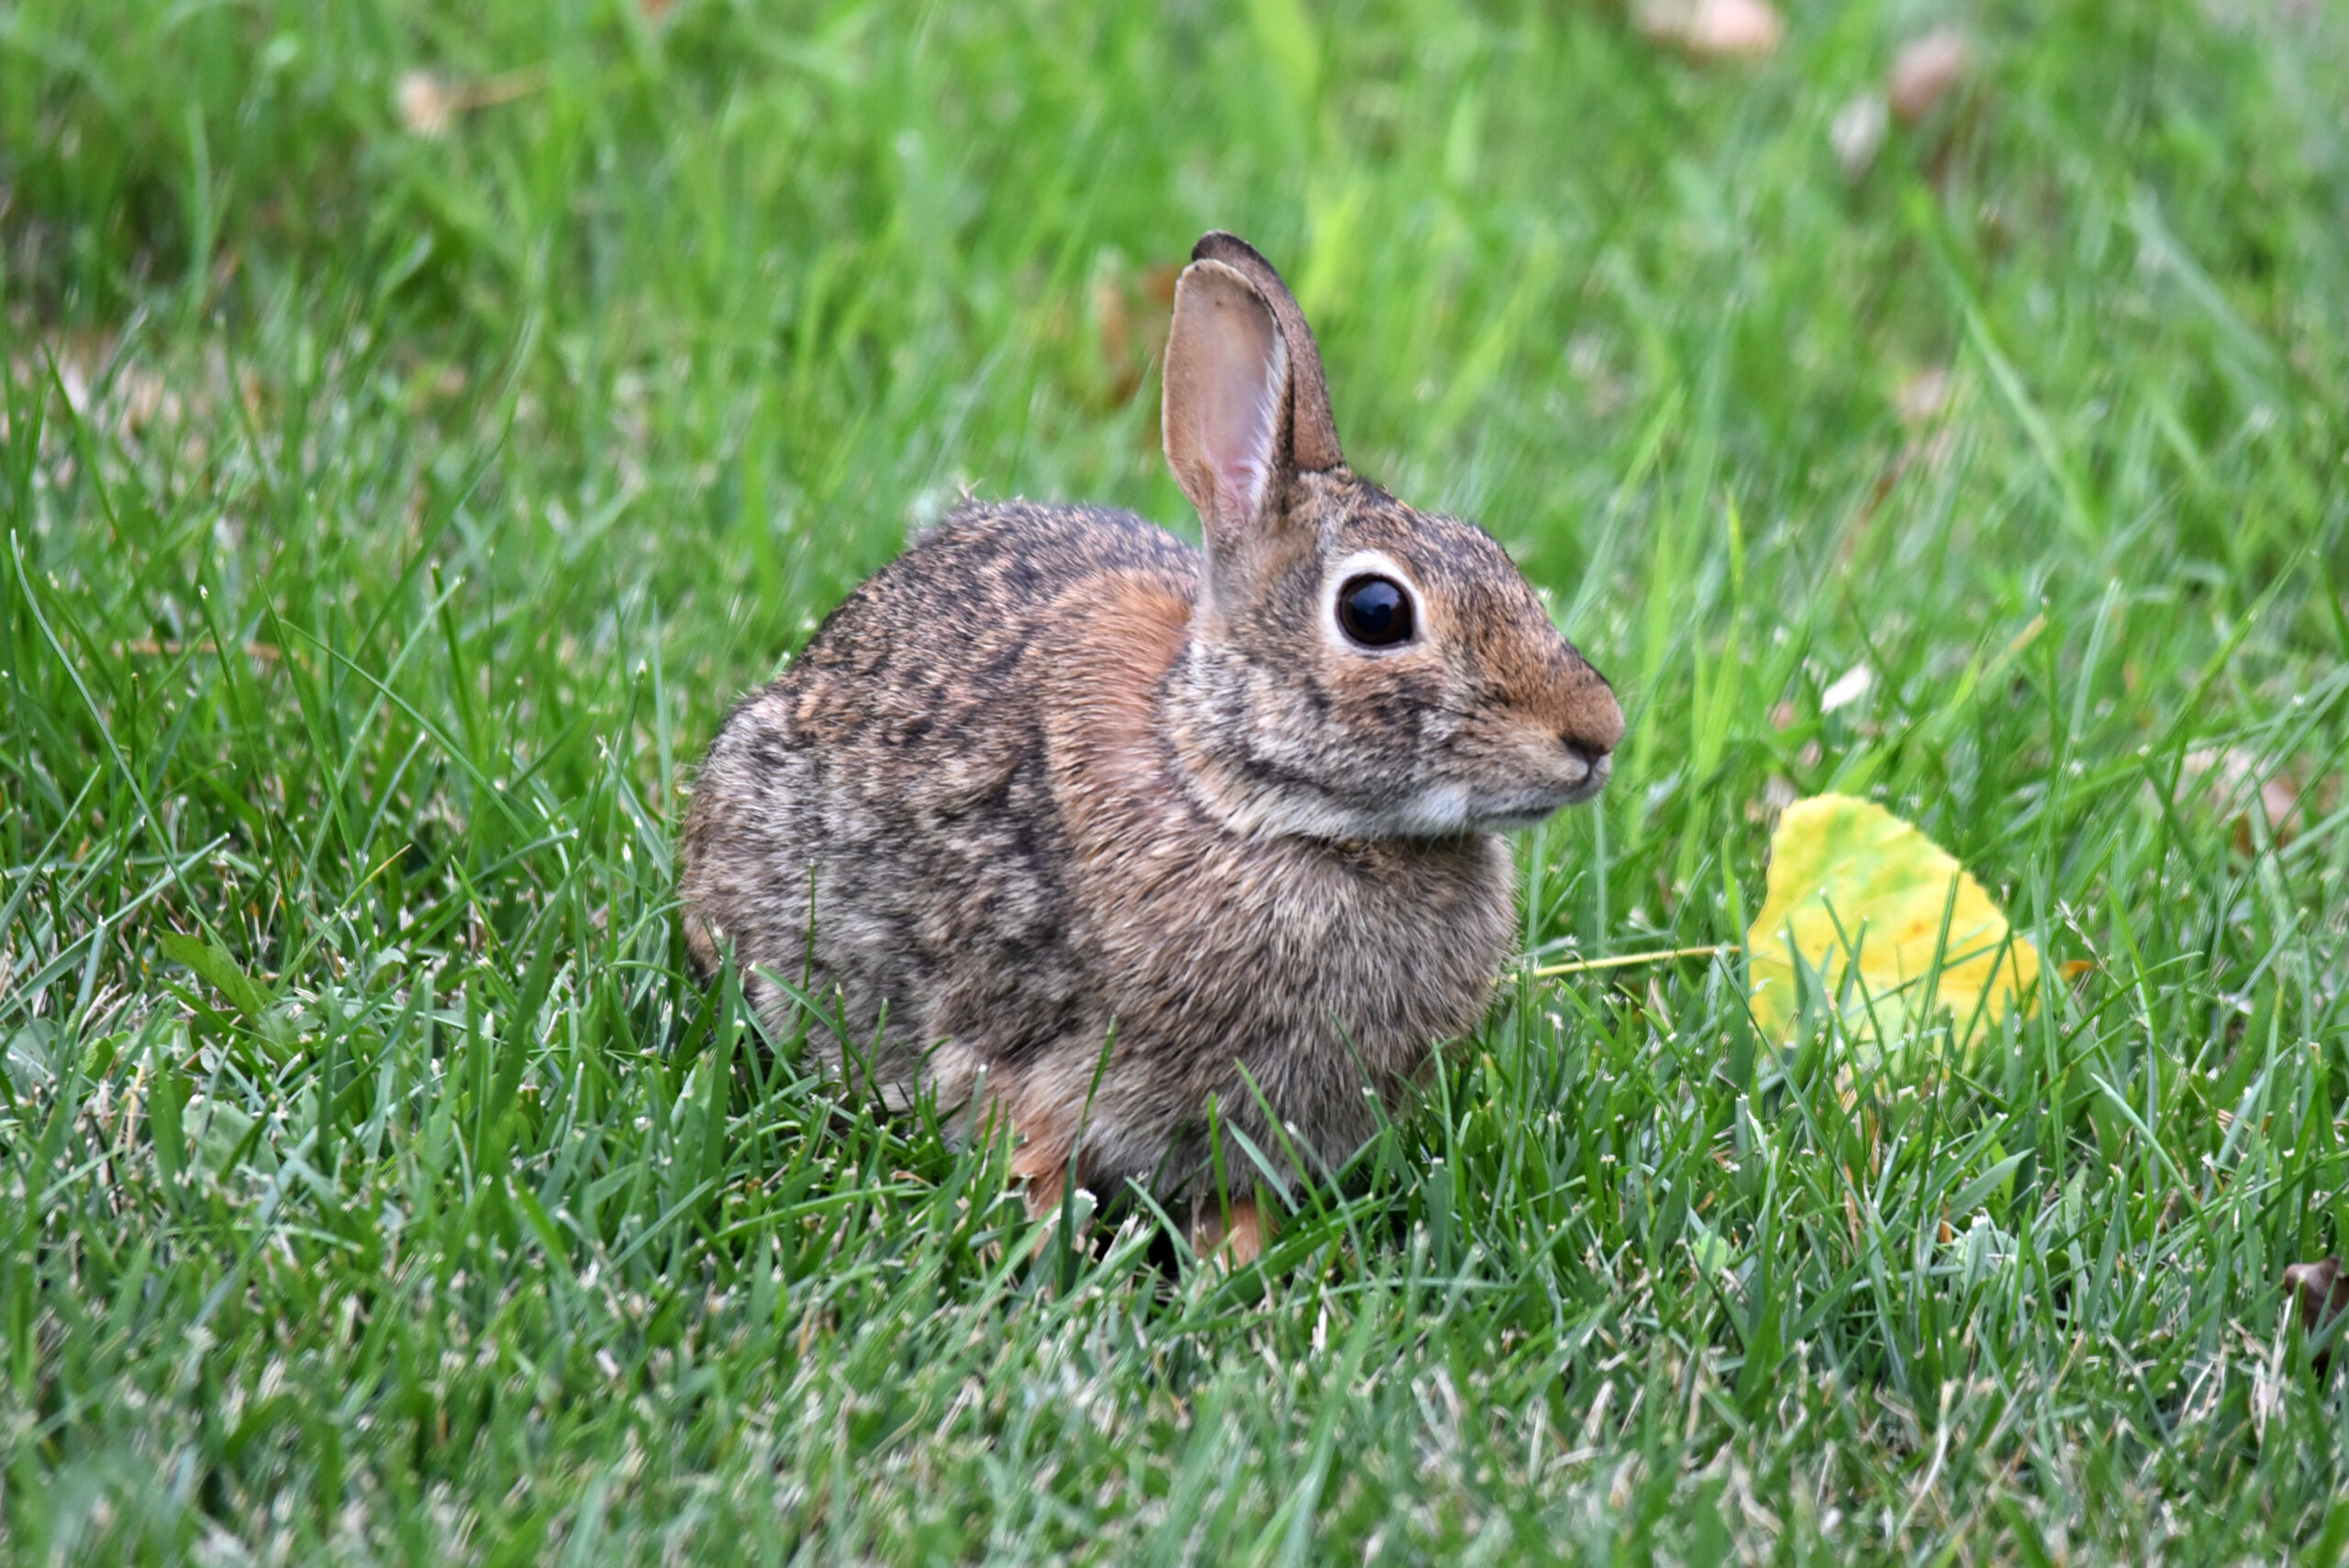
<point x="1128" y="842"/>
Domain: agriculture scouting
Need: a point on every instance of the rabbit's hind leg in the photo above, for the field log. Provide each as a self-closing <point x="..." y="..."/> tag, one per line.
<point x="1046" y="1178"/>
<point x="1046" y="1141"/>
<point x="1240" y="1240"/>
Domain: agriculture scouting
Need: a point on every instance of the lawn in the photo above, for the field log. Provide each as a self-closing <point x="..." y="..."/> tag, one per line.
<point x="402" y="474"/>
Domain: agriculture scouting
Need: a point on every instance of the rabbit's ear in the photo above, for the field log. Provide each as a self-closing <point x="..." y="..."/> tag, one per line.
<point x="1246" y="404"/>
<point x="1313" y="434"/>
<point x="1226" y="376"/>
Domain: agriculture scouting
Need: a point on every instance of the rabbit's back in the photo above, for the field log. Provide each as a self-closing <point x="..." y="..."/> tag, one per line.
<point x="898" y="774"/>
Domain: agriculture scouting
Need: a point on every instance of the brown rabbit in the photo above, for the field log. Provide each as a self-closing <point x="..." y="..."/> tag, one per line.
<point x="1053" y="779"/>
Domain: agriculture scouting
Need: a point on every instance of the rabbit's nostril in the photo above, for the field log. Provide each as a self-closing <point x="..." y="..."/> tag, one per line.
<point x="1591" y="756"/>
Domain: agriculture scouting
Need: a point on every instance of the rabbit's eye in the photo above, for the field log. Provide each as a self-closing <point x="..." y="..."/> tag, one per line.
<point x="1374" y="611"/>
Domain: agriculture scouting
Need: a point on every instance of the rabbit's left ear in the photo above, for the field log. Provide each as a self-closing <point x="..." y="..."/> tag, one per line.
<point x="1313" y="434"/>
<point x="1246" y="405"/>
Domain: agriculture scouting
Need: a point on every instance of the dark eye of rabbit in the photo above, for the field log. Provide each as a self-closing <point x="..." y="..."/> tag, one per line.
<point x="1374" y="611"/>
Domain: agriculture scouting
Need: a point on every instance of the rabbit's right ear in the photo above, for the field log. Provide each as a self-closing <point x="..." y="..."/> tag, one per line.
<point x="1227" y="389"/>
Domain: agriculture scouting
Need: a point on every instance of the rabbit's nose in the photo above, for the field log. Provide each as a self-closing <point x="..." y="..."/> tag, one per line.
<point x="1592" y="756"/>
<point x="1588" y="752"/>
<point x="1590" y="721"/>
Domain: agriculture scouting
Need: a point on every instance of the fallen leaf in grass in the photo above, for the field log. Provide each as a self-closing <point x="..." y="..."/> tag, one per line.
<point x="1777" y="793"/>
<point x="1919" y="399"/>
<point x="1923" y="73"/>
<point x="1857" y="134"/>
<point x="1130" y="314"/>
<point x="428" y="104"/>
<point x="1734" y="30"/>
<point x="2322" y="1291"/>
<point x="1710" y="30"/>
<point x="1712" y="1254"/>
<point x="1113" y="330"/>
<point x="1848" y="687"/>
<point x="2228" y="778"/>
<point x="211" y="962"/>
<point x="1847" y="875"/>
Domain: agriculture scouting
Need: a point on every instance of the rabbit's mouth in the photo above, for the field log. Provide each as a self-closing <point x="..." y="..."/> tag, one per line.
<point x="1455" y="809"/>
<point x="1594" y="773"/>
<point x="1525" y="809"/>
<point x="1244" y="802"/>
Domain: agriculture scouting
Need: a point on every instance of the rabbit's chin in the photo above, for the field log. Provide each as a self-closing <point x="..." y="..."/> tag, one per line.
<point x="1457" y="809"/>
<point x="1439" y="811"/>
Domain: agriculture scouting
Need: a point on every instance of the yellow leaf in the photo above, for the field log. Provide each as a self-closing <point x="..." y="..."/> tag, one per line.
<point x="1847" y="874"/>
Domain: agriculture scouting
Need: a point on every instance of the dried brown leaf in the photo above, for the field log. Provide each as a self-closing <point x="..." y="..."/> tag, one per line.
<point x="1857" y="134"/>
<point x="1711" y="31"/>
<point x="1923" y="73"/>
<point x="1921" y="396"/>
<point x="2228" y="779"/>
<point x="2322" y="1291"/>
<point x="429" y="103"/>
<point x="426" y="105"/>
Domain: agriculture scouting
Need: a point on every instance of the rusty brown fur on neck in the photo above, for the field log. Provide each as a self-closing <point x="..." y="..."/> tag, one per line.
<point x="1052" y="780"/>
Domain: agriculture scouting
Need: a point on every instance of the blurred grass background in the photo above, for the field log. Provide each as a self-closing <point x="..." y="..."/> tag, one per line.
<point x="421" y="422"/>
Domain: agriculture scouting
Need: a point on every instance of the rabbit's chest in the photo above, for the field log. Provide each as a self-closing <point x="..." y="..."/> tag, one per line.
<point x="1298" y="957"/>
<point x="1201" y="939"/>
<point x="1394" y="944"/>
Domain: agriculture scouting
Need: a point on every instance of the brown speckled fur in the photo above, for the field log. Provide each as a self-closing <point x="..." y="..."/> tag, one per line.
<point x="1054" y="772"/>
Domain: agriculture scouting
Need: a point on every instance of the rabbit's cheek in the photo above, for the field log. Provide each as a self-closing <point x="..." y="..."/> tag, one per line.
<point x="1438" y="810"/>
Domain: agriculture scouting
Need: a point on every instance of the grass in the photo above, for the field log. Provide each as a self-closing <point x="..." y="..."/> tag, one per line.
<point x="389" y="520"/>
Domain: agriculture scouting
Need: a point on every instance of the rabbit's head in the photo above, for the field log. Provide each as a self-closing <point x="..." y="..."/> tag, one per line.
<point x="1356" y="669"/>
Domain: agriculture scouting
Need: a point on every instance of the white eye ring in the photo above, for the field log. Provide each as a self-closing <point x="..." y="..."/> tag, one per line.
<point x="1370" y="564"/>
